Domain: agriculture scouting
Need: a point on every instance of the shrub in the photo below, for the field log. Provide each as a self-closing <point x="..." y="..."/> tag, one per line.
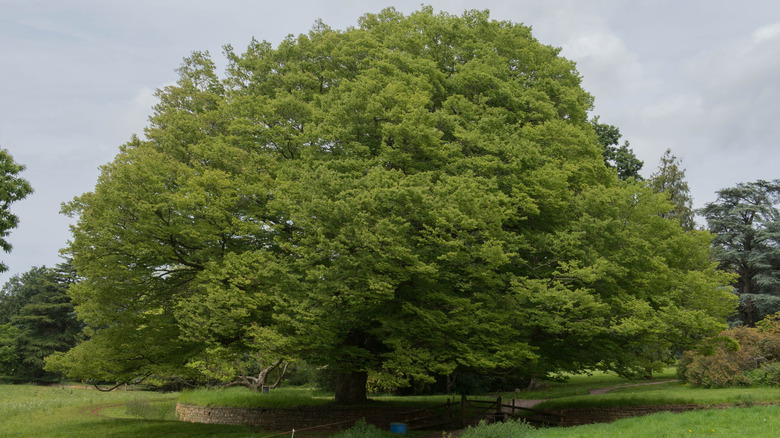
<point x="507" y="429"/>
<point x="767" y="374"/>
<point x="738" y="356"/>
<point x="361" y="429"/>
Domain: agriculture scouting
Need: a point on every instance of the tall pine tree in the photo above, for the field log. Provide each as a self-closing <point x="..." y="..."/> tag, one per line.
<point x="670" y="179"/>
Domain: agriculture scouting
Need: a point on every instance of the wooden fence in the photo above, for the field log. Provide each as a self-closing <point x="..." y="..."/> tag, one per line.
<point x="469" y="411"/>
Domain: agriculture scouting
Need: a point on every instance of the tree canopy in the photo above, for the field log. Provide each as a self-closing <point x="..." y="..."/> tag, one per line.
<point x="617" y="156"/>
<point x="396" y="201"/>
<point x="12" y="188"/>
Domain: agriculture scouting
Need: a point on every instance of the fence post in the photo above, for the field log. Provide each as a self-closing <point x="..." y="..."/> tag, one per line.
<point x="463" y="410"/>
<point x="449" y="413"/>
<point x="499" y="409"/>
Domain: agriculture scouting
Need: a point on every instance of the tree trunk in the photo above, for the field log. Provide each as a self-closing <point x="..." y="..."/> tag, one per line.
<point x="351" y="388"/>
<point x="280" y="375"/>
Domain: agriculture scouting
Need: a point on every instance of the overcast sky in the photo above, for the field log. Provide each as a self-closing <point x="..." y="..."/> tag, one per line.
<point x="77" y="79"/>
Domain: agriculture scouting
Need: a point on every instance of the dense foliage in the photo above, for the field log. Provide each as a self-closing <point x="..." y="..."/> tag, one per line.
<point x="12" y="188"/>
<point x="746" y="222"/>
<point x="414" y="196"/>
<point x="669" y="178"/>
<point x="739" y="356"/>
<point x="37" y="319"/>
<point x="618" y="156"/>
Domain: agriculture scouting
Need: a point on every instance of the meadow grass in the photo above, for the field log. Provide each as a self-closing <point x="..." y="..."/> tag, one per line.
<point x="27" y="410"/>
<point x="581" y="384"/>
<point x="755" y="422"/>
<point x="35" y="411"/>
<point x="669" y="394"/>
<point x="242" y="397"/>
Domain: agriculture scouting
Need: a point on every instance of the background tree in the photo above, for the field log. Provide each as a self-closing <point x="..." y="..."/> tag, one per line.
<point x="415" y="196"/>
<point x="42" y="321"/>
<point x="670" y="179"/>
<point x="744" y="219"/>
<point x="12" y="188"/>
<point x="620" y="157"/>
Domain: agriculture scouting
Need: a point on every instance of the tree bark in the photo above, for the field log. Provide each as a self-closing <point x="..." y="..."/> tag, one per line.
<point x="280" y="375"/>
<point x="351" y="388"/>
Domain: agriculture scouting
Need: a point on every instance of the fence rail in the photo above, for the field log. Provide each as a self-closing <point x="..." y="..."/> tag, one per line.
<point x="469" y="411"/>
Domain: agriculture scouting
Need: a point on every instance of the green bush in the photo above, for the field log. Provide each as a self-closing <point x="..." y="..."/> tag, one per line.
<point x="738" y="356"/>
<point x="507" y="429"/>
<point x="768" y="374"/>
<point x="361" y="429"/>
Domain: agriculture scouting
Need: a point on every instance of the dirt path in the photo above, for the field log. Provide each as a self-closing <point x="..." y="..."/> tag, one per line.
<point x="523" y="403"/>
<point x="95" y="410"/>
<point x="606" y="390"/>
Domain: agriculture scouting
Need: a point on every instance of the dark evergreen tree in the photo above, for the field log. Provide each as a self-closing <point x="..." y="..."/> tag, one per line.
<point x="744" y="219"/>
<point x="43" y="321"/>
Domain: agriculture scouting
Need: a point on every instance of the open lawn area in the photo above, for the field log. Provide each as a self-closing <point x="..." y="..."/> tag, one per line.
<point x="38" y="411"/>
<point x="754" y="422"/>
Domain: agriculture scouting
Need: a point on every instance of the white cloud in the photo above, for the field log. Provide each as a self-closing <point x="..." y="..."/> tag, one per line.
<point x="609" y="68"/>
<point x="134" y="116"/>
<point x="747" y="67"/>
<point x="766" y="33"/>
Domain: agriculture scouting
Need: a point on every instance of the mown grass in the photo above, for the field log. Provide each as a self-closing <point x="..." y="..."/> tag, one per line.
<point x="755" y="422"/>
<point x="27" y="410"/>
<point x="34" y="411"/>
<point x="668" y="394"/>
<point x="581" y="384"/>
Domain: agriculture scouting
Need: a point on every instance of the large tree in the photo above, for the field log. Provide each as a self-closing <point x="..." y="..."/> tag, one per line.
<point x="413" y="196"/>
<point x="746" y="221"/>
<point x="12" y="188"/>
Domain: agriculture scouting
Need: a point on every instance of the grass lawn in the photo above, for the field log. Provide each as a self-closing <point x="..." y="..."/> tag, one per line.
<point x="36" y="411"/>
<point x="39" y="411"/>
<point x="581" y="384"/>
<point x="755" y="422"/>
<point x="28" y="410"/>
<point x="669" y="394"/>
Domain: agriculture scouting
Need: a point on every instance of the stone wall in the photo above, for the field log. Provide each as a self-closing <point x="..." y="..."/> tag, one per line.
<point x="339" y="418"/>
<point x="334" y="418"/>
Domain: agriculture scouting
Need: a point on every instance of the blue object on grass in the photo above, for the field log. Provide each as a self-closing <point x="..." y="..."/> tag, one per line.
<point x="399" y="428"/>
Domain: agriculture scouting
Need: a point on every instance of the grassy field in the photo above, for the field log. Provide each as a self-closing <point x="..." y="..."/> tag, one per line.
<point x="36" y="411"/>
<point x="581" y="384"/>
<point x="669" y="394"/>
<point x="755" y="422"/>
